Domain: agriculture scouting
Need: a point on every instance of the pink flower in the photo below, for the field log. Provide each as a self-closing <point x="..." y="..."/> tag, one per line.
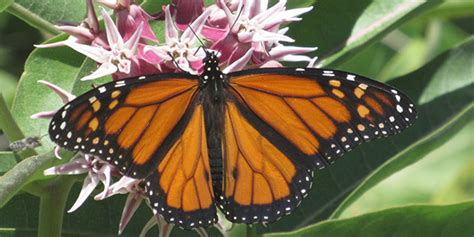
<point x="257" y="29"/>
<point x="97" y="171"/>
<point x="129" y="18"/>
<point x="136" y="194"/>
<point x="186" y="11"/>
<point x="121" y="56"/>
<point x="180" y="49"/>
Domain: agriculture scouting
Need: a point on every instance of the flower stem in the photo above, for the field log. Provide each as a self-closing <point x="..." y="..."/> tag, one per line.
<point x="32" y="19"/>
<point x="52" y="204"/>
<point x="9" y="126"/>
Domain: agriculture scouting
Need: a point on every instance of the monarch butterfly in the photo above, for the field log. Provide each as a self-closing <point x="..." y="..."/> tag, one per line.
<point x="246" y="142"/>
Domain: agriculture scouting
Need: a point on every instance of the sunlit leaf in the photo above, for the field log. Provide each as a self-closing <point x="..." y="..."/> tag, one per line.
<point x="46" y="13"/>
<point x="341" y="28"/>
<point x="416" y="220"/>
<point x="7" y="161"/>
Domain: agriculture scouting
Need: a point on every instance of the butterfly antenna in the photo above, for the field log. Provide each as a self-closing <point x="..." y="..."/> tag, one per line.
<point x="199" y="39"/>
<point x="195" y="52"/>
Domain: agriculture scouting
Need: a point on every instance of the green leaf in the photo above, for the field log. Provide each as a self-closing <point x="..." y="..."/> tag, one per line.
<point x="341" y="28"/>
<point x="13" y="180"/>
<point x="462" y="187"/>
<point x="44" y="14"/>
<point x="453" y="9"/>
<point x="415" y="220"/>
<point x="61" y="66"/>
<point x="4" y="4"/>
<point x="442" y="91"/>
<point x="7" y="161"/>
<point x="8" y="87"/>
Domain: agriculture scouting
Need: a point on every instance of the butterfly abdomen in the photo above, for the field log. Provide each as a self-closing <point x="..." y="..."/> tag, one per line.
<point x="213" y="100"/>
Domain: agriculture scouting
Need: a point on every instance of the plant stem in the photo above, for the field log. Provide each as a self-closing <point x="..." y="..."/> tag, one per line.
<point x="10" y="127"/>
<point x="12" y="181"/>
<point x="52" y="204"/>
<point x="32" y="19"/>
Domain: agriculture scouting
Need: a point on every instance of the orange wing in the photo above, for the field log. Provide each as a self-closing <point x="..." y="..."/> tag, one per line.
<point x="181" y="188"/>
<point x="261" y="182"/>
<point x="128" y="123"/>
<point x="321" y="114"/>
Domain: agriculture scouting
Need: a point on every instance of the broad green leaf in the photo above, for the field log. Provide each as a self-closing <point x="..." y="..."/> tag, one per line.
<point x="341" y="28"/>
<point x="44" y="14"/>
<point x="415" y="220"/>
<point x="462" y="187"/>
<point x="8" y="87"/>
<point x="61" y="66"/>
<point x="423" y="181"/>
<point x="4" y="4"/>
<point x="14" y="179"/>
<point x="7" y="161"/>
<point x="443" y="92"/>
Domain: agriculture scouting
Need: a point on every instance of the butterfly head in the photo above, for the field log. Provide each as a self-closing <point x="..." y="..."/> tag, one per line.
<point x="211" y="60"/>
<point x="211" y="68"/>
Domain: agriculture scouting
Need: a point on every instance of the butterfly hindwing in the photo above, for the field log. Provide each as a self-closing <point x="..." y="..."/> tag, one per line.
<point x="261" y="183"/>
<point x="127" y="123"/>
<point x="181" y="188"/>
<point x="322" y="114"/>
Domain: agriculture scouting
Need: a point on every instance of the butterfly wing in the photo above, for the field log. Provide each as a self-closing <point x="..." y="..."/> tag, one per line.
<point x="130" y="123"/>
<point x="322" y="114"/>
<point x="181" y="188"/>
<point x="282" y="123"/>
<point x="262" y="183"/>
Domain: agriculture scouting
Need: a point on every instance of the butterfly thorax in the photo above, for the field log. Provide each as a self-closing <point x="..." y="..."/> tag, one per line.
<point x="212" y="77"/>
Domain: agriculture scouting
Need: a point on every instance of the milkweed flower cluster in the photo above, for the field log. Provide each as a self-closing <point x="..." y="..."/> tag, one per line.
<point x="245" y="34"/>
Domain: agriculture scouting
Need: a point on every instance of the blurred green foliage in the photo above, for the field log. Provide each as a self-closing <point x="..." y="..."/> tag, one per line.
<point x="405" y="43"/>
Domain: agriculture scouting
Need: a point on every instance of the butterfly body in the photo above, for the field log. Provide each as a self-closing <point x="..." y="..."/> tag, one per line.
<point x="213" y="97"/>
<point x="245" y="142"/>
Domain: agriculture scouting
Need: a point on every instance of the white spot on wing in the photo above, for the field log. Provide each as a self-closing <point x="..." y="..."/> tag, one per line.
<point x="120" y="84"/>
<point x="397" y="97"/>
<point x="328" y="73"/>
<point x="399" y="108"/>
<point x="350" y="77"/>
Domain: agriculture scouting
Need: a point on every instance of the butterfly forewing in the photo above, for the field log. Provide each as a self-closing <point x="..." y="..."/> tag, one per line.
<point x="322" y="114"/>
<point x="130" y="123"/>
